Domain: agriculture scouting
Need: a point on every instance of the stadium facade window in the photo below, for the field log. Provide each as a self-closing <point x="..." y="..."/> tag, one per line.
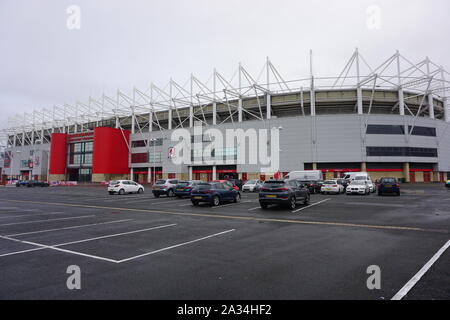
<point x="400" y="129"/>
<point x="138" y="144"/>
<point x="154" y="157"/>
<point x="156" y="143"/>
<point x="423" y="131"/>
<point x="385" y="129"/>
<point x="139" y="158"/>
<point x="402" y="152"/>
<point x="80" y="153"/>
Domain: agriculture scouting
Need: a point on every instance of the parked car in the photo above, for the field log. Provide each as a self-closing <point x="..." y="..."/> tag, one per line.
<point x="343" y="182"/>
<point x="447" y="184"/>
<point x="229" y="183"/>
<point x="237" y="182"/>
<point x="164" y="187"/>
<point x="252" y="186"/>
<point x="358" y="187"/>
<point x="313" y="186"/>
<point x="35" y="183"/>
<point x="332" y="186"/>
<point x="214" y="193"/>
<point x="372" y="186"/>
<point x="124" y="186"/>
<point x="288" y="193"/>
<point x="21" y="183"/>
<point x="388" y="185"/>
<point x="184" y="188"/>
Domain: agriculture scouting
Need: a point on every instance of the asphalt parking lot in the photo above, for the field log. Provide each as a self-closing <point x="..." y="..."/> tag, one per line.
<point x="139" y="247"/>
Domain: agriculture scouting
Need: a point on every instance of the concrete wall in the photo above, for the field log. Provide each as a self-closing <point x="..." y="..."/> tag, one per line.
<point x="330" y="139"/>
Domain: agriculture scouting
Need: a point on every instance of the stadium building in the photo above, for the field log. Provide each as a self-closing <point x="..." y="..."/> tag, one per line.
<point x="389" y="120"/>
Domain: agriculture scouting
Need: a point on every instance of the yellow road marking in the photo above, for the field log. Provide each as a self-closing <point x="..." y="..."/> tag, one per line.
<point x="335" y="224"/>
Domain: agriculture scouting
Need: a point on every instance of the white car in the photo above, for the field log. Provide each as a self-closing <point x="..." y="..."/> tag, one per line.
<point x="125" y="186"/>
<point x="372" y="187"/>
<point x="358" y="187"/>
<point x="252" y="186"/>
<point x="332" y="186"/>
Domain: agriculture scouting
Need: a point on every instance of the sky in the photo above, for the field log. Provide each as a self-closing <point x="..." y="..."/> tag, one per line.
<point x="126" y="44"/>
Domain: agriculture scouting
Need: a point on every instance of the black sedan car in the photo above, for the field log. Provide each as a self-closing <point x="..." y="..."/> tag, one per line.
<point x="32" y="184"/>
<point x="313" y="186"/>
<point x="287" y="193"/>
<point x="184" y="188"/>
<point x="388" y="185"/>
<point x="214" y="193"/>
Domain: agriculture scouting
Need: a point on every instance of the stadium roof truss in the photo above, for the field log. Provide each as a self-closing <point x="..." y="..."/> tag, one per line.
<point x="242" y="97"/>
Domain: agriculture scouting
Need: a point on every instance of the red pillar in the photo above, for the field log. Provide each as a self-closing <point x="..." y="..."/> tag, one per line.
<point x="111" y="151"/>
<point x="58" y="154"/>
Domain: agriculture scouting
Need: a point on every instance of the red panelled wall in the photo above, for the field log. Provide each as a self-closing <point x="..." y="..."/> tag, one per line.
<point x="111" y="151"/>
<point x="58" y="153"/>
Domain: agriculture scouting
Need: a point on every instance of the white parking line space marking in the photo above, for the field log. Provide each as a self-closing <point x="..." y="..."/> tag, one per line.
<point x="176" y="246"/>
<point x="165" y="202"/>
<point x="42" y="247"/>
<point x="56" y="246"/>
<point x="371" y="204"/>
<point x="231" y="204"/>
<point x="123" y="198"/>
<point x="68" y="228"/>
<point x="186" y="205"/>
<point x="31" y="215"/>
<point x="20" y="252"/>
<point x="256" y="208"/>
<point x="114" y="235"/>
<point x="311" y="205"/>
<point x="411" y="283"/>
<point x="48" y="220"/>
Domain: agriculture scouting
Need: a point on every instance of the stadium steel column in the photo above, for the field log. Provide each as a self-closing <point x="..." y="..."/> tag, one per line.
<point x="359" y="89"/>
<point x="430" y="94"/>
<point x="401" y="97"/>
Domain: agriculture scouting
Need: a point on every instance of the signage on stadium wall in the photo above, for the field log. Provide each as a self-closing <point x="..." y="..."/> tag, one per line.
<point x="63" y="183"/>
<point x="79" y="137"/>
<point x="171" y="153"/>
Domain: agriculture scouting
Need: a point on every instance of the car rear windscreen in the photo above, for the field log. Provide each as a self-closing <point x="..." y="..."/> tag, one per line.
<point x="114" y="182"/>
<point x="388" y="181"/>
<point x="183" y="184"/>
<point x="160" y="181"/>
<point x="274" y="184"/>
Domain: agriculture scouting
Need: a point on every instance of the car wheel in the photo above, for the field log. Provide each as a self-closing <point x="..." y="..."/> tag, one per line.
<point x="121" y="192"/>
<point x="170" y="193"/>
<point x="111" y="193"/>
<point x="292" y="203"/>
<point x="195" y="203"/>
<point x="216" y="201"/>
<point x="264" y="205"/>
<point x="307" y="199"/>
<point x="140" y="191"/>
<point x="156" y="195"/>
<point x="380" y="194"/>
<point x="398" y="194"/>
<point x="237" y="198"/>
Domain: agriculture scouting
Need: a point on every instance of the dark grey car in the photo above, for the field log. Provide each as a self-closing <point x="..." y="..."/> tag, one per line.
<point x="287" y="193"/>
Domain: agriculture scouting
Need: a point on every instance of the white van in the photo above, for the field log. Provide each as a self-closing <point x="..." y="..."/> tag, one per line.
<point x="312" y="175"/>
<point x="350" y="176"/>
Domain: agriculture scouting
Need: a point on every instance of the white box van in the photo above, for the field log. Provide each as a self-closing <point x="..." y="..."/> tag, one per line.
<point x="312" y="175"/>
<point x="352" y="175"/>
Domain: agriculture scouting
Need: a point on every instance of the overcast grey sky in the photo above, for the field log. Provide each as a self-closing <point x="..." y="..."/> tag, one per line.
<point x="122" y="44"/>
